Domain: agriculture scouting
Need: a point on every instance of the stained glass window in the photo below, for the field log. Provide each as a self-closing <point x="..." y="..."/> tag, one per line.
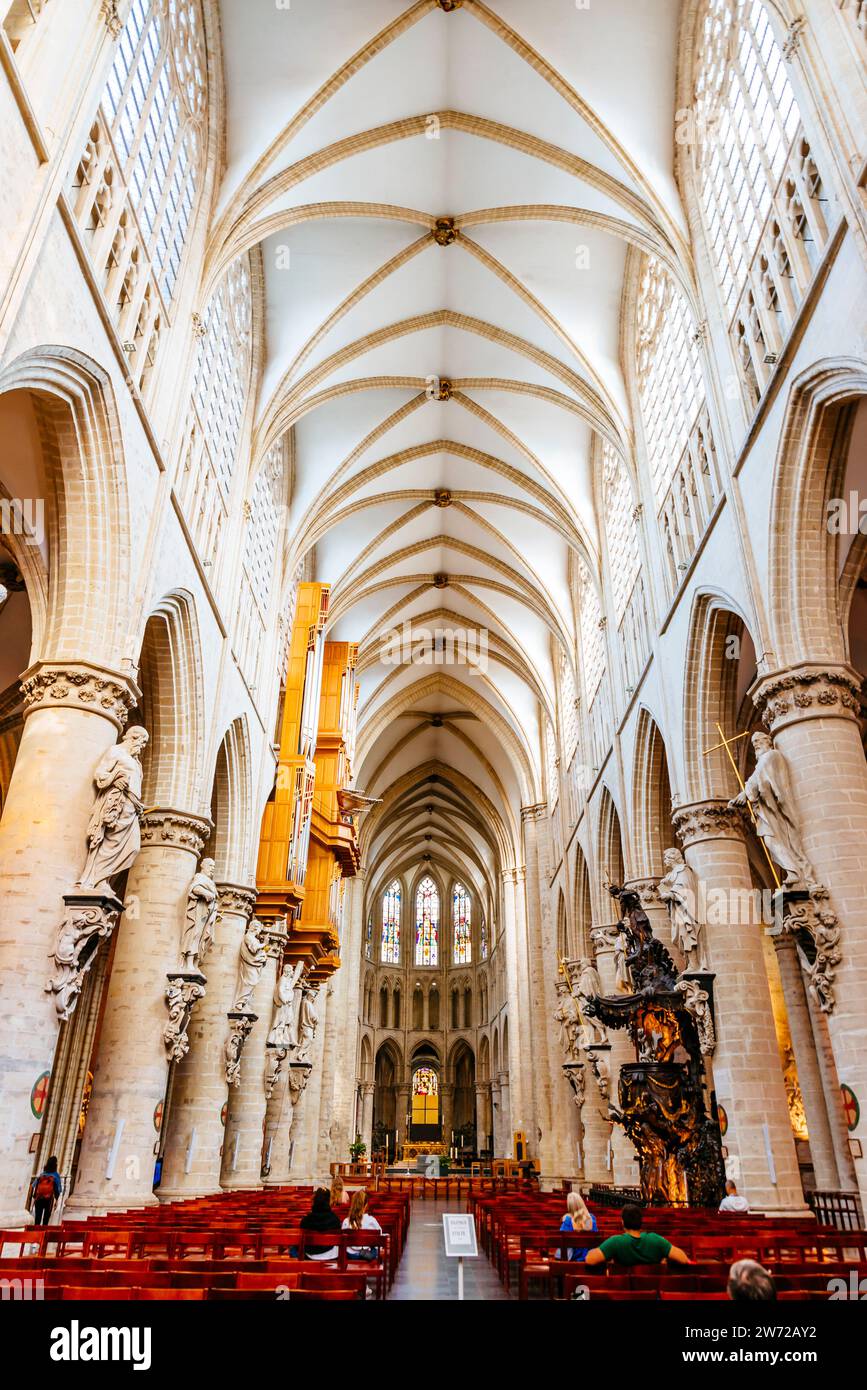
<point x="463" y="948"/>
<point x="390" y="952"/>
<point x="368" y="942"/>
<point x="425" y="1095"/>
<point x="483" y="940"/>
<point x="427" y="917"/>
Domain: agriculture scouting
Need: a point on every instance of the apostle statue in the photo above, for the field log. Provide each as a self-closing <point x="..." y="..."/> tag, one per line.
<point x="588" y="986"/>
<point x="768" y="793"/>
<point x="197" y="937"/>
<point x="679" y="891"/>
<point x="113" y="835"/>
<point x="251" y="963"/>
<point x="569" y="1019"/>
<point x="308" y="1019"/>
<point x="284" y="1023"/>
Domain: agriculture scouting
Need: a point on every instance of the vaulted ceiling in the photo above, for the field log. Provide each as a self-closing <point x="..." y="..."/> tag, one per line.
<point x="445" y="195"/>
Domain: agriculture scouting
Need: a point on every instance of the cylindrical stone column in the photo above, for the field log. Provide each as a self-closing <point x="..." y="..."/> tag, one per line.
<point x="402" y="1112"/>
<point x="496" y="1119"/>
<point x="595" y="1133"/>
<point x="748" y="1077"/>
<point x="116" y="1166"/>
<point x="245" y="1117"/>
<point x="447" y="1095"/>
<point x="506" y="1115"/>
<point x="367" y="1091"/>
<point x="192" y="1155"/>
<point x="847" y="1180"/>
<point x="806" y="1062"/>
<point x="812" y="713"/>
<point x="481" y="1117"/>
<point x="72" y="714"/>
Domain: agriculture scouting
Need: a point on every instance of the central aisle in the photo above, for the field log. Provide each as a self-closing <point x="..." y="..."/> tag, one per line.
<point x="426" y="1274"/>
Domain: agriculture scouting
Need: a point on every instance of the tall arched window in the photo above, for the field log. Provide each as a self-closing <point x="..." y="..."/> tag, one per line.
<point x="390" y="948"/>
<point x="427" y="917"/>
<point x="677" y="431"/>
<point x="624" y="554"/>
<point x="263" y="513"/>
<point x="592" y="641"/>
<point x="670" y="381"/>
<point x="759" y="186"/>
<point x="221" y="382"/>
<point x="462" y="919"/>
<point x="483" y="940"/>
<point x="624" y="562"/>
<point x="138" y="180"/>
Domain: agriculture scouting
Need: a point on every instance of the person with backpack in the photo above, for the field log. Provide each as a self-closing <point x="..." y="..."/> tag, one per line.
<point x="47" y="1187"/>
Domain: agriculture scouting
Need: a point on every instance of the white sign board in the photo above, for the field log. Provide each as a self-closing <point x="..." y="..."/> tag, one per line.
<point x="460" y="1235"/>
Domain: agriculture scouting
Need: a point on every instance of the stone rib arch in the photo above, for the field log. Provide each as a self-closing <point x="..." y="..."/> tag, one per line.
<point x="88" y="507"/>
<point x="172" y="705"/>
<point x="232" y="803"/>
<point x="651" y="798"/>
<point x="805" y="618"/>
<point x="710" y="684"/>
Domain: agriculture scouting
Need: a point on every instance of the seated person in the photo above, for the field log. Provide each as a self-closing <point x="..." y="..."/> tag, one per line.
<point x="577" y="1218"/>
<point x="732" y="1201"/>
<point x="635" y="1246"/>
<point x="750" y="1282"/>
<point x="339" y="1199"/>
<point x="359" y="1219"/>
<point x="320" y="1217"/>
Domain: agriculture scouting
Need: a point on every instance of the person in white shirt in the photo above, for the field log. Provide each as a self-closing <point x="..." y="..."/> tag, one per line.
<point x="731" y="1201"/>
<point x="359" y="1219"/>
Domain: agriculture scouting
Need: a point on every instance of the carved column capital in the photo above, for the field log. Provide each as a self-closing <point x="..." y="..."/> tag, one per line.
<point x="175" y="830"/>
<point x="810" y="690"/>
<point x="79" y="685"/>
<point x="647" y="890"/>
<point x="604" y="938"/>
<point x="237" y="897"/>
<point x="534" y="813"/>
<point x="707" y="820"/>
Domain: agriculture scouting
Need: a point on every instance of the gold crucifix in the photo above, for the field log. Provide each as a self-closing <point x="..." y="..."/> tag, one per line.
<point x="726" y="744"/>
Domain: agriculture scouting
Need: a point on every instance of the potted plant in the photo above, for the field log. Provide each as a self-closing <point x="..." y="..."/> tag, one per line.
<point x="357" y="1149"/>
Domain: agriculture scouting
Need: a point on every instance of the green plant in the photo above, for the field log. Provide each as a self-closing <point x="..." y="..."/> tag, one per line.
<point x="358" y="1149"/>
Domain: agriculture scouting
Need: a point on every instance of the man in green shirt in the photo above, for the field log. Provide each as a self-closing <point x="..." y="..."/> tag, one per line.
<point x="635" y="1246"/>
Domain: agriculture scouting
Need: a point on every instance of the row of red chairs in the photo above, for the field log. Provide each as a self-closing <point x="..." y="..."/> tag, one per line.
<point x="210" y="1239"/>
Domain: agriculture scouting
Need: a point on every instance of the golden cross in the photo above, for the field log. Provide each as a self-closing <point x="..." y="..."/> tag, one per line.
<point x="726" y="744"/>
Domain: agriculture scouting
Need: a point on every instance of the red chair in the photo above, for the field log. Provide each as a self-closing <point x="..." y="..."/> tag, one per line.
<point x="73" y="1294"/>
<point x="326" y="1295"/>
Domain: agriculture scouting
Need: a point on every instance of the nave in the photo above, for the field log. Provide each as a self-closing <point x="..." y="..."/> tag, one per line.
<point x="433" y="618"/>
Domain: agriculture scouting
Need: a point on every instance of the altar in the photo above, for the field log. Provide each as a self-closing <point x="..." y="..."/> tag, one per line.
<point x="411" y="1150"/>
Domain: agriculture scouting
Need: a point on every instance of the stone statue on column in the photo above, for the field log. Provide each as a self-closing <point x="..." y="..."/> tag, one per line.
<point x="201" y="914"/>
<point x="569" y="1019"/>
<point x="308" y="1020"/>
<point x="251" y="963"/>
<point x="678" y="889"/>
<point x="768" y="792"/>
<point x="113" y="834"/>
<point x="113" y="841"/>
<point x="587" y="987"/>
<point x="284" y="1021"/>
